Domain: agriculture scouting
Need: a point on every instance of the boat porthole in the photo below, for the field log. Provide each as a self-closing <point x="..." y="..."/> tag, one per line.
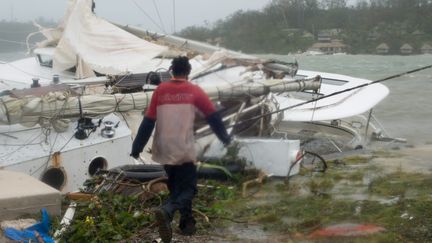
<point x="55" y="177"/>
<point x="96" y="164"/>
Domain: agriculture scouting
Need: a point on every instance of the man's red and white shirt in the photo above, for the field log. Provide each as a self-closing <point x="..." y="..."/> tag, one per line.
<point x="173" y="105"/>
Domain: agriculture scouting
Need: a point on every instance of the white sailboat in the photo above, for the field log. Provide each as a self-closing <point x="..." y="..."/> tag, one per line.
<point x="64" y="131"/>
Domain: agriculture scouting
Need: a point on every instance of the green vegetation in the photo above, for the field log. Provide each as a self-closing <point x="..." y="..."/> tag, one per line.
<point x="353" y="190"/>
<point x="112" y="217"/>
<point x="285" y="26"/>
<point x="109" y="218"/>
<point x="403" y="185"/>
<point x="293" y="25"/>
<point x="400" y="202"/>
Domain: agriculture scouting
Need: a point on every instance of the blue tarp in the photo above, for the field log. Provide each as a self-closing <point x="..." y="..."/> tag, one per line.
<point x="29" y="234"/>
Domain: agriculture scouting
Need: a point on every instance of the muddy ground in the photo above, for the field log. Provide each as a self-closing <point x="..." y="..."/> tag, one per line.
<point x="380" y="195"/>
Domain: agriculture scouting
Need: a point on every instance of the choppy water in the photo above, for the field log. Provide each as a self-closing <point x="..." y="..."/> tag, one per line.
<point x="406" y="112"/>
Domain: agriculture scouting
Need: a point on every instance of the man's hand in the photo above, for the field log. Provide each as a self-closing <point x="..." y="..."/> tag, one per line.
<point x="134" y="155"/>
<point x="216" y="124"/>
<point x="144" y="132"/>
<point x="227" y="140"/>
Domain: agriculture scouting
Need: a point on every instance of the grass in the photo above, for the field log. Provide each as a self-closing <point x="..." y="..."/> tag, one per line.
<point x="408" y="219"/>
<point x="314" y="212"/>
<point x="386" y="154"/>
<point x="296" y="209"/>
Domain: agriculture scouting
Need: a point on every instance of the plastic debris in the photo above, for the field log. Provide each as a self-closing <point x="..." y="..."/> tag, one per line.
<point x="347" y="230"/>
<point x="38" y="232"/>
<point x="19" y="224"/>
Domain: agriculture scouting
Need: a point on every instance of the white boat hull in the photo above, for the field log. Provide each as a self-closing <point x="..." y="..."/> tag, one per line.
<point x="60" y="159"/>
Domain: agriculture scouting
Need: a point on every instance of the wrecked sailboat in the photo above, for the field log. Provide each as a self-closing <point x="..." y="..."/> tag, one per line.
<point x="66" y="129"/>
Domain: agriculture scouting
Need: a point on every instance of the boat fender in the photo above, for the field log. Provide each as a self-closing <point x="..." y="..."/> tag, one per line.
<point x="145" y="173"/>
<point x="143" y="176"/>
<point x="141" y="173"/>
<point x="139" y="168"/>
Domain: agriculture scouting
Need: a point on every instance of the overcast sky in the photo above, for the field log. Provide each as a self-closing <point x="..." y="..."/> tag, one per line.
<point x="187" y="12"/>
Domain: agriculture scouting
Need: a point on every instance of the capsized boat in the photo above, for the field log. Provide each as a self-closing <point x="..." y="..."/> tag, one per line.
<point x="97" y="77"/>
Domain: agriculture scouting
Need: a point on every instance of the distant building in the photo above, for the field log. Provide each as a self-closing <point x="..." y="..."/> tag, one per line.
<point x="332" y="47"/>
<point x="324" y="36"/>
<point x="426" y="49"/>
<point x="406" y="49"/>
<point x="382" y="48"/>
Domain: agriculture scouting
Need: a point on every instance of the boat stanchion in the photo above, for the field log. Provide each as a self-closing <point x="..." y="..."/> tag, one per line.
<point x="56" y="79"/>
<point x="35" y="83"/>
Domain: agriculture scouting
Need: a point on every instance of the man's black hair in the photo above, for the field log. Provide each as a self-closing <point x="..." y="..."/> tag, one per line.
<point x="180" y="66"/>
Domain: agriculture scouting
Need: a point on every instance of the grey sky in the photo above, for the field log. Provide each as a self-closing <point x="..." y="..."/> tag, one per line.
<point x="188" y="12"/>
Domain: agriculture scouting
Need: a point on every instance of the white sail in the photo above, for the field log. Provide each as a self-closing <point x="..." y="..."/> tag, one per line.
<point x="80" y="45"/>
<point x="57" y="106"/>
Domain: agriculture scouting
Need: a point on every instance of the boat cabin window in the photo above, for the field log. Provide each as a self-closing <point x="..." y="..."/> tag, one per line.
<point x="45" y="60"/>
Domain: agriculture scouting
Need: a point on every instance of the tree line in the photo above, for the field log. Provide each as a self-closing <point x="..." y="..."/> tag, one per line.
<point x="293" y="25"/>
<point x="285" y="26"/>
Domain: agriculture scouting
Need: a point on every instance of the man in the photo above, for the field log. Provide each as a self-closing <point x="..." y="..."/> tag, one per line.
<point x="172" y="108"/>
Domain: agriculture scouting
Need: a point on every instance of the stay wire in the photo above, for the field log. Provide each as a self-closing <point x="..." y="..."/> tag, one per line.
<point x="29" y="142"/>
<point x="148" y="16"/>
<point x="14" y="42"/>
<point x="45" y="164"/>
<point x="316" y="102"/>
<point x="319" y="127"/>
<point x="174" y="16"/>
<point x="48" y="158"/>
<point x="50" y="154"/>
<point x="333" y="94"/>
<point x="159" y="16"/>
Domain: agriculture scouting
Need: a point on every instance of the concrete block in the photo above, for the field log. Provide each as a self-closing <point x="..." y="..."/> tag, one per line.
<point x="23" y="195"/>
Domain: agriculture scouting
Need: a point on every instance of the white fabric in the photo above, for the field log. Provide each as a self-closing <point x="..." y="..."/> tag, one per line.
<point x="102" y="46"/>
<point x="56" y="107"/>
<point x="52" y="36"/>
<point x="227" y="92"/>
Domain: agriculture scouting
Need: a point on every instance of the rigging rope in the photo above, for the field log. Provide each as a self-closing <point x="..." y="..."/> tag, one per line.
<point x="28" y="142"/>
<point x="333" y="94"/>
<point x="15" y="42"/>
<point x="148" y="16"/>
<point x="174" y="17"/>
<point x="158" y="14"/>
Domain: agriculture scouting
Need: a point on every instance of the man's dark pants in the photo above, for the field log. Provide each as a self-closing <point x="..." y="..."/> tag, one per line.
<point x="182" y="184"/>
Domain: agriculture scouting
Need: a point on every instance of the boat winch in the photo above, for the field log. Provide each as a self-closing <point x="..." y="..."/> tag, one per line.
<point x="35" y="83"/>
<point x="108" y="131"/>
<point x="85" y="127"/>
